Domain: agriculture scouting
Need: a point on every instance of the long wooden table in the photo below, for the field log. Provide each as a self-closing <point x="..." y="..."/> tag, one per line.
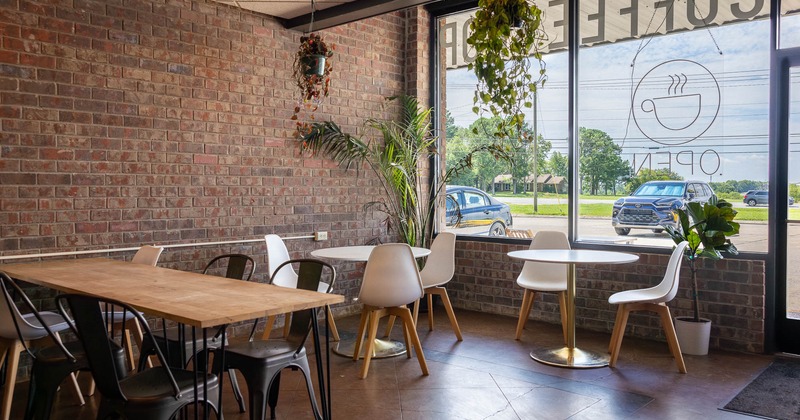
<point x="193" y="299"/>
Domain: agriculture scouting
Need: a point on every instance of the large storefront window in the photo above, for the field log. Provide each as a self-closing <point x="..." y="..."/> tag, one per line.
<point x="672" y="102"/>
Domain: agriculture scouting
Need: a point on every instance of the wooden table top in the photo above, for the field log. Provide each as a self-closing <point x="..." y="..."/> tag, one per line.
<point x="193" y="299"/>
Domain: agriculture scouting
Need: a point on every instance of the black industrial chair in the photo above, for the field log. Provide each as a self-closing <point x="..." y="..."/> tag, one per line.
<point x="261" y="361"/>
<point x="155" y="393"/>
<point x="52" y="364"/>
<point x="178" y="350"/>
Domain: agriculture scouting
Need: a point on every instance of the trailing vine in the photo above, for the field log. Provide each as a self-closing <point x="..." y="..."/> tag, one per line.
<point x="508" y="37"/>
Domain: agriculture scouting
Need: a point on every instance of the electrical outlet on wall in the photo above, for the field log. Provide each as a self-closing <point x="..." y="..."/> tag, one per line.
<point x="320" y="236"/>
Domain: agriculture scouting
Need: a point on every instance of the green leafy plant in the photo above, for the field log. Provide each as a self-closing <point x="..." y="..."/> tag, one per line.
<point x="312" y="74"/>
<point x="706" y="227"/>
<point x="507" y="36"/>
<point x="396" y="155"/>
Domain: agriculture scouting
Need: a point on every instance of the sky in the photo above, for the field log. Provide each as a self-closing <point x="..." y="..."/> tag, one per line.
<point x="695" y="102"/>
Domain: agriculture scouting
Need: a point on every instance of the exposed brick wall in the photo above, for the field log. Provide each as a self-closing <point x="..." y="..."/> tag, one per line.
<point x="732" y="293"/>
<point x="129" y="122"/>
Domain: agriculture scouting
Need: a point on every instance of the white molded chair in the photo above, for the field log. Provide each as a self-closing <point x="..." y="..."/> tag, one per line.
<point x="544" y="277"/>
<point x="438" y="271"/>
<point x="148" y="255"/>
<point x="16" y="332"/>
<point x="277" y="254"/>
<point x="391" y="281"/>
<point x="651" y="299"/>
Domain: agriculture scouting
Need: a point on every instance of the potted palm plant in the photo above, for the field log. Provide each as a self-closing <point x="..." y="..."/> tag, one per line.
<point x="395" y="156"/>
<point x="706" y="227"/>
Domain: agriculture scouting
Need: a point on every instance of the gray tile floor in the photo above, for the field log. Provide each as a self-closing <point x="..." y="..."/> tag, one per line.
<point x="489" y="375"/>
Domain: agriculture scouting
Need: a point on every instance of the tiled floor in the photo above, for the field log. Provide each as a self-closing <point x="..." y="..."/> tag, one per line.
<point x="491" y="376"/>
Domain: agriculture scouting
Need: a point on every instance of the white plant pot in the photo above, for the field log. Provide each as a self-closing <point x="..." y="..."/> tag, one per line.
<point x="693" y="337"/>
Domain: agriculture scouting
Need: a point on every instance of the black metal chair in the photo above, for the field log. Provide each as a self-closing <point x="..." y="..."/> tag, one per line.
<point x="155" y="393"/>
<point x="51" y="364"/>
<point x="180" y="349"/>
<point x="261" y="361"/>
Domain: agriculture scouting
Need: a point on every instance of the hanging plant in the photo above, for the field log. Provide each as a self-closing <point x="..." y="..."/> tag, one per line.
<point x="508" y="37"/>
<point x="312" y="74"/>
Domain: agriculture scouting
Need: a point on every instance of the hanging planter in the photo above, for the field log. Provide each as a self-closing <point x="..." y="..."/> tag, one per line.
<point x="508" y="38"/>
<point x="312" y="74"/>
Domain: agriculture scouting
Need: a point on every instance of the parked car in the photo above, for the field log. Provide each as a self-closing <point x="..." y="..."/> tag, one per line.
<point x="759" y="198"/>
<point x="468" y="207"/>
<point x="653" y="204"/>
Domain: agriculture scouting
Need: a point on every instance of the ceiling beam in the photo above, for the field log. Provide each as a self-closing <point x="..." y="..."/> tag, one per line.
<point x="350" y="12"/>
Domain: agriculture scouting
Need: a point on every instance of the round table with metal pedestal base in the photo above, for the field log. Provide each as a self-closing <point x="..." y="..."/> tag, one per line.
<point x="570" y="355"/>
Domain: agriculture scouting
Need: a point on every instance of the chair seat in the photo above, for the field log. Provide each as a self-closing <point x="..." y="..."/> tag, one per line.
<point x="542" y="286"/>
<point x="261" y="351"/>
<point x="53" y="320"/>
<point x="153" y="385"/>
<point x="650" y="295"/>
<point x="122" y="316"/>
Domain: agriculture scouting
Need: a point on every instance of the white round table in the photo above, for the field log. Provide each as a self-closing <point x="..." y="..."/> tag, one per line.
<point x="571" y="356"/>
<point x="384" y="347"/>
<point x="358" y="252"/>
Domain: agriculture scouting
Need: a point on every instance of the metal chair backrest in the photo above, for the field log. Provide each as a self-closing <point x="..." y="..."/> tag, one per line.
<point x="239" y="266"/>
<point x="13" y="323"/>
<point x="91" y="323"/>
<point x="147" y="254"/>
<point x="441" y="263"/>
<point x="310" y="274"/>
<point x="550" y="272"/>
<point x="669" y="285"/>
<point x="391" y="277"/>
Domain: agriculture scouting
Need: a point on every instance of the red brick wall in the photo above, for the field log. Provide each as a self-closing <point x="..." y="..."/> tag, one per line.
<point x="732" y="293"/>
<point x="134" y="122"/>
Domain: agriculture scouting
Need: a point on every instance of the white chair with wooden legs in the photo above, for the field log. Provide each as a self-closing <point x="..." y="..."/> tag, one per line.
<point x="391" y="281"/>
<point x="277" y="254"/>
<point x="544" y="277"/>
<point x="438" y="271"/>
<point x="651" y="299"/>
<point x="147" y="255"/>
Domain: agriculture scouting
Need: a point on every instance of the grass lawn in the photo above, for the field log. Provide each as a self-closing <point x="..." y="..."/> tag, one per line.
<point x="604" y="210"/>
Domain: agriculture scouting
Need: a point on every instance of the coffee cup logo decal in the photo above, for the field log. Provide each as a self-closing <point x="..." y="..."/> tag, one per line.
<point x="676" y="102"/>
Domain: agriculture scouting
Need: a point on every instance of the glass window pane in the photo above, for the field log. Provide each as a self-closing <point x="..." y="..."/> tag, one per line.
<point x="687" y="103"/>
<point x="790" y="24"/>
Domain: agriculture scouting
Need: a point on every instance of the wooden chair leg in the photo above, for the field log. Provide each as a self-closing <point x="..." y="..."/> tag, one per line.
<point x="12" y="348"/>
<point x="129" y="350"/>
<point x="73" y="379"/>
<point x="562" y="305"/>
<point x="430" y="310"/>
<point x="416" y="312"/>
<point x="448" y="308"/>
<point x="407" y="338"/>
<point x="332" y="324"/>
<point x="614" y="331"/>
<point x="287" y="324"/>
<point x="268" y="328"/>
<point x="622" y="320"/>
<point x="672" y="338"/>
<point x="390" y="325"/>
<point x="525" y="310"/>
<point x="138" y="337"/>
<point x="408" y="323"/>
<point x="362" y="325"/>
<point x="373" y="332"/>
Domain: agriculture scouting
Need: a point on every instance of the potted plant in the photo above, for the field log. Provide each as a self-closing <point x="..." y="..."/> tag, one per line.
<point x="395" y="156"/>
<point x="507" y="36"/>
<point x="312" y="74"/>
<point x="706" y="227"/>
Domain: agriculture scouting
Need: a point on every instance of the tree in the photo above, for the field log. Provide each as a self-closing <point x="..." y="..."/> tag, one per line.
<point x="450" y="126"/>
<point x="600" y="160"/>
<point x="558" y="164"/>
<point x="645" y="175"/>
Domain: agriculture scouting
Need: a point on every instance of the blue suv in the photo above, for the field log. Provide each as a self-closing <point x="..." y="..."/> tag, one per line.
<point x="653" y="204"/>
